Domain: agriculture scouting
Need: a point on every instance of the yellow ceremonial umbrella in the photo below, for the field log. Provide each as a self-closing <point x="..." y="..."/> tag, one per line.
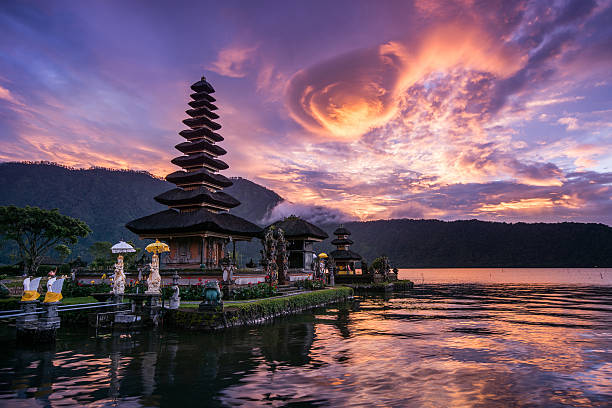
<point x="158" y="247"/>
<point x="323" y="255"/>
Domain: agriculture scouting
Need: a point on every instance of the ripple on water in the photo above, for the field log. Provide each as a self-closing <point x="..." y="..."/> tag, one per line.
<point x="439" y="345"/>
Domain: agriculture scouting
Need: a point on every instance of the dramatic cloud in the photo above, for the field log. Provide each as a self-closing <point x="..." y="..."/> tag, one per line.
<point x="448" y="109"/>
<point x="352" y="94"/>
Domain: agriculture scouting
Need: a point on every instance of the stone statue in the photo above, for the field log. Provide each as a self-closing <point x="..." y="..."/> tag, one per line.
<point x="282" y="257"/>
<point x="119" y="279"/>
<point x="270" y="256"/>
<point x="175" y="300"/>
<point x="30" y="289"/>
<point x="212" y="296"/>
<point x="228" y="270"/>
<point x="154" y="280"/>
<point x="331" y="266"/>
<point x="317" y="268"/>
<point x="55" y="294"/>
<point x="50" y="281"/>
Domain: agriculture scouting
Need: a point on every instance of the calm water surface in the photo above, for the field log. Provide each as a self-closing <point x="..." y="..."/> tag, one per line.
<point x="439" y="345"/>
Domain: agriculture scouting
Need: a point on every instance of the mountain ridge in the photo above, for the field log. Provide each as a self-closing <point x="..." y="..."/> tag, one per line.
<point x="106" y="199"/>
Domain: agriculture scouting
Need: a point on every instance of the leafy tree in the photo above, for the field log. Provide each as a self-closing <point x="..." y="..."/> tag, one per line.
<point x="104" y="258"/>
<point x="101" y="253"/>
<point x="130" y="258"/>
<point x="63" y="251"/>
<point x="378" y="264"/>
<point x="36" y="230"/>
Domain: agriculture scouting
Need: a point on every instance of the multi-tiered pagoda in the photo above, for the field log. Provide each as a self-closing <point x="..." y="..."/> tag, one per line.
<point x="197" y="226"/>
<point x="344" y="258"/>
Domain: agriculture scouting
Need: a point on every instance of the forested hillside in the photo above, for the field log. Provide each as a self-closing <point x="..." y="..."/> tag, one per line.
<point x="107" y="199"/>
<point x="473" y="243"/>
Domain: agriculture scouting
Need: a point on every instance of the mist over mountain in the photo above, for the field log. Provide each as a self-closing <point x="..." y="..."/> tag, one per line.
<point x="107" y="199"/>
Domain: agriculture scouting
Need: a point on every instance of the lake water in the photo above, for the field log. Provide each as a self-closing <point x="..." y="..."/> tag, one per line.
<point x="551" y="276"/>
<point x="442" y="344"/>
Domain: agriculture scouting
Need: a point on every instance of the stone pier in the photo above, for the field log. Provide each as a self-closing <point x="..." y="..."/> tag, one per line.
<point x="40" y="327"/>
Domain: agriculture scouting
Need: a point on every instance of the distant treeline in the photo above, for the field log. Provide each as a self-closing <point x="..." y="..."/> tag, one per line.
<point x="473" y="243"/>
<point x="107" y="199"/>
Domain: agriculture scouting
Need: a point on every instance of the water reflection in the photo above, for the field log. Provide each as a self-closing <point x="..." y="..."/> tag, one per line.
<point x="439" y="345"/>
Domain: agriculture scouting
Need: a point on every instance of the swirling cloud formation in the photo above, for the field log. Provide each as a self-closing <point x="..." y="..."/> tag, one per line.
<point x="350" y="95"/>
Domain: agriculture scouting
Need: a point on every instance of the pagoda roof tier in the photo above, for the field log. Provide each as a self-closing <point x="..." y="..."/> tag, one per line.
<point x="200" y="146"/>
<point x="203" y="86"/>
<point x="199" y="221"/>
<point x="194" y="113"/>
<point x="199" y="160"/>
<point x="200" y="176"/>
<point x="181" y="198"/>
<point x="201" y="103"/>
<point x="343" y="241"/>
<point x="201" y="121"/>
<point x="199" y="133"/>
<point x="342" y="231"/>
<point x="198" y="96"/>
<point x="295" y="227"/>
<point x="345" y="255"/>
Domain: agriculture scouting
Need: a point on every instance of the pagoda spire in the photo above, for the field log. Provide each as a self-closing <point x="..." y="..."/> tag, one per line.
<point x="199" y="183"/>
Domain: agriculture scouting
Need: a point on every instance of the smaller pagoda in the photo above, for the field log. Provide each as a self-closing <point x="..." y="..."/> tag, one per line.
<point x="344" y="258"/>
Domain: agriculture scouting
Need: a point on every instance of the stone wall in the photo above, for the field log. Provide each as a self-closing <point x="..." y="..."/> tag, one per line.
<point x="253" y="312"/>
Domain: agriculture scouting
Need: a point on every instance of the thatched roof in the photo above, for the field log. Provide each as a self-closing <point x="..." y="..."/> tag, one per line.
<point x="295" y="228"/>
<point x="345" y="255"/>
<point x="203" y="111"/>
<point x="201" y="145"/>
<point x="199" y="160"/>
<point x="198" y="221"/>
<point x="345" y="241"/>
<point x="201" y="132"/>
<point x="342" y="231"/>
<point x="203" y="86"/>
<point x="201" y="175"/>
<point x="180" y="197"/>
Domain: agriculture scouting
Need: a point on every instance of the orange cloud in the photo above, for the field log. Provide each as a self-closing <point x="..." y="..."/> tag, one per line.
<point x="348" y="96"/>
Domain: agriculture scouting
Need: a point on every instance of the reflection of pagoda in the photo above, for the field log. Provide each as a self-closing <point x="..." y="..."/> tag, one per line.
<point x="197" y="225"/>
<point x="344" y="258"/>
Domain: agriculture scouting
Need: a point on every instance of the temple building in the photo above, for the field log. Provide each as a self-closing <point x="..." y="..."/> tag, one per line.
<point x="197" y="226"/>
<point x="344" y="258"/>
<point x="301" y="235"/>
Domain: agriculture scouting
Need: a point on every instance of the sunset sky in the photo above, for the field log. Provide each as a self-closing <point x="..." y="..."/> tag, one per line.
<point x="495" y="110"/>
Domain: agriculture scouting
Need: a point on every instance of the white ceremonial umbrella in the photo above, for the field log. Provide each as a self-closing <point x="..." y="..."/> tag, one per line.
<point x="122" y="247"/>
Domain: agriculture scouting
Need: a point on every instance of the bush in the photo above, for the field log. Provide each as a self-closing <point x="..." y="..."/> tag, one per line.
<point x="309" y="284"/>
<point x="187" y="293"/>
<point x="270" y="307"/>
<point x="76" y="289"/>
<point x="261" y="290"/>
<point x="11" y="270"/>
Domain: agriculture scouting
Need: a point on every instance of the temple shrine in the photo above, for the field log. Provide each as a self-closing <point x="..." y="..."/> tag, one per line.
<point x="301" y="235"/>
<point x="197" y="225"/>
<point x="344" y="258"/>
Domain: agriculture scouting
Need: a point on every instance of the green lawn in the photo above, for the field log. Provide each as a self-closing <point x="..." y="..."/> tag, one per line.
<point x="65" y="301"/>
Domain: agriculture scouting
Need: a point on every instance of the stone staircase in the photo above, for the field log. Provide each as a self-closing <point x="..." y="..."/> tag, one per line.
<point x="287" y="290"/>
